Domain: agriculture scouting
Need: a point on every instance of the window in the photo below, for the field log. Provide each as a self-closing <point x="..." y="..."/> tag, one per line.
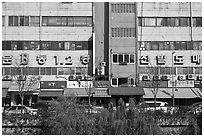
<point x="123" y="58"/>
<point x="67" y="21"/>
<point x="181" y="45"/>
<point x="123" y="8"/>
<point x="197" y="22"/>
<point x="195" y="45"/>
<point x="198" y="70"/>
<point x="123" y="32"/>
<point x="13" y="20"/>
<point x="115" y="58"/>
<point x="122" y="81"/>
<point x="132" y="59"/>
<point x="24" y="21"/>
<point x="114" y="82"/>
<point x="184" y="22"/>
<point x="149" y="22"/>
<point x="14" y="45"/>
<point x="187" y="70"/>
<point x="3" y="20"/>
<point x="161" y="22"/>
<point x="42" y="71"/>
<point x="34" y="21"/>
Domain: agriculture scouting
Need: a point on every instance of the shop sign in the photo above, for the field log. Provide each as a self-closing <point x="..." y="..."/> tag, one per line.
<point x="144" y="60"/>
<point x="53" y="84"/>
<point x="196" y="59"/>
<point x="6" y="60"/>
<point x="41" y="59"/>
<point x="198" y="84"/>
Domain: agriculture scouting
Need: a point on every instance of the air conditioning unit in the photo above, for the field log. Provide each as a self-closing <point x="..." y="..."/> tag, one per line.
<point x="165" y="78"/>
<point x="145" y="78"/>
<point x="103" y="64"/>
<point x="156" y="78"/>
<point x="101" y="70"/>
<point x="181" y="77"/>
<point x="81" y="77"/>
<point x="7" y="78"/>
<point x="199" y="77"/>
<point x="72" y="78"/>
<point x="189" y="77"/>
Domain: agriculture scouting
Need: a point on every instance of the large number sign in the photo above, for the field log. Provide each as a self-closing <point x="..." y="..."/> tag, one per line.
<point x="45" y="59"/>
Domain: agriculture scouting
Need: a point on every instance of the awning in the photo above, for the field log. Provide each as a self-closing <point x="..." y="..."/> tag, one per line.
<point x="6" y="84"/>
<point x="101" y="84"/>
<point x="50" y="93"/>
<point x="4" y="92"/>
<point x="126" y="91"/>
<point x="77" y="92"/>
<point x="167" y="93"/>
<point x="15" y="87"/>
<point x="101" y="92"/>
<point x="197" y="92"/>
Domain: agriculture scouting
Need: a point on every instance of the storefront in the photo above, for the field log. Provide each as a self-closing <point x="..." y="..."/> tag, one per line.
<point x="182" y="96"/>
<point x="51" y="89"/>
<point x="125" y="93"/>
<point x="30" y="93"/>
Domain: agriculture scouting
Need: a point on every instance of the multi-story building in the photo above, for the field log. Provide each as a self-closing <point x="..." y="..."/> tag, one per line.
<point x="138" y="48"/>
<point x="52" y="40"/>
<point x="152" y="45"/>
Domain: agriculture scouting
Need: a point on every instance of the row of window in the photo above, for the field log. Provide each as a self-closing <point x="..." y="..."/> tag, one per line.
<point x="171" y="45"/>
<point x="168" y="70"/>
<point x="45" y="71"/>
<point x="123" y="32"/>
<point x="49" y="21"/>
<point x="123" y="81"/>
<point x="123" y="8"/>
<point x="123" y="59"/>
<point x="24" y="21"/>
<point x="130" y="7"/>
<point x="67" y="21"/>
<point x="47" y="45"/>
<point x="169" y="22"/>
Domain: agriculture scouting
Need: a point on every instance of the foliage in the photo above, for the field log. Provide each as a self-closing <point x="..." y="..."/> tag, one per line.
<point x="66" y="117"/>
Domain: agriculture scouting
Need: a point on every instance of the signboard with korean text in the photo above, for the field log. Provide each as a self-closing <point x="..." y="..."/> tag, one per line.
<point x="47" y="59"/>
<point x="178" y="83"/>
<point x="164" y="58"/>
<point x="53" y="84"/>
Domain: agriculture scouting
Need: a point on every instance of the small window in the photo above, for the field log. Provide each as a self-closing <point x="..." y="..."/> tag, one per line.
<point x="122" y="81"/>
<point x="120" y="57"/>
<point x="3" y="20"/>
<point x="126" y="58"/>
<point x="54" y="71"/>
<point x="115" y="58"/>
<point x="197" y="22"/>
<point x="114" y="82"/>
<point x="132" y="59"/>
<point x="198" y="70"/>
<point x="34" y="21"/>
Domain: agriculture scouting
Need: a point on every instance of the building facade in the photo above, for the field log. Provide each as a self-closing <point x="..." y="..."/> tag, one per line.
<point x="122" y="49"/>
<point x="52" y="40"/>
<point x="155" y="44"/>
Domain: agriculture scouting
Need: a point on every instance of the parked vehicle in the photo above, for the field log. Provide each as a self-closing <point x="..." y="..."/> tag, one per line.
<point x="92" y="109"/>
<point x="20" y="109"/>
<point x="151" y="105"/>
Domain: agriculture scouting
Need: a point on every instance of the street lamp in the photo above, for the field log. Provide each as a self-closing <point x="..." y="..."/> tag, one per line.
<point x="172" y="73"/>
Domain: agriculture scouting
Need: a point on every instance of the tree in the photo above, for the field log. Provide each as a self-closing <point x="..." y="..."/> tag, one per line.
<point x="154" y="72"/>
<point x="23" y="77"/>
